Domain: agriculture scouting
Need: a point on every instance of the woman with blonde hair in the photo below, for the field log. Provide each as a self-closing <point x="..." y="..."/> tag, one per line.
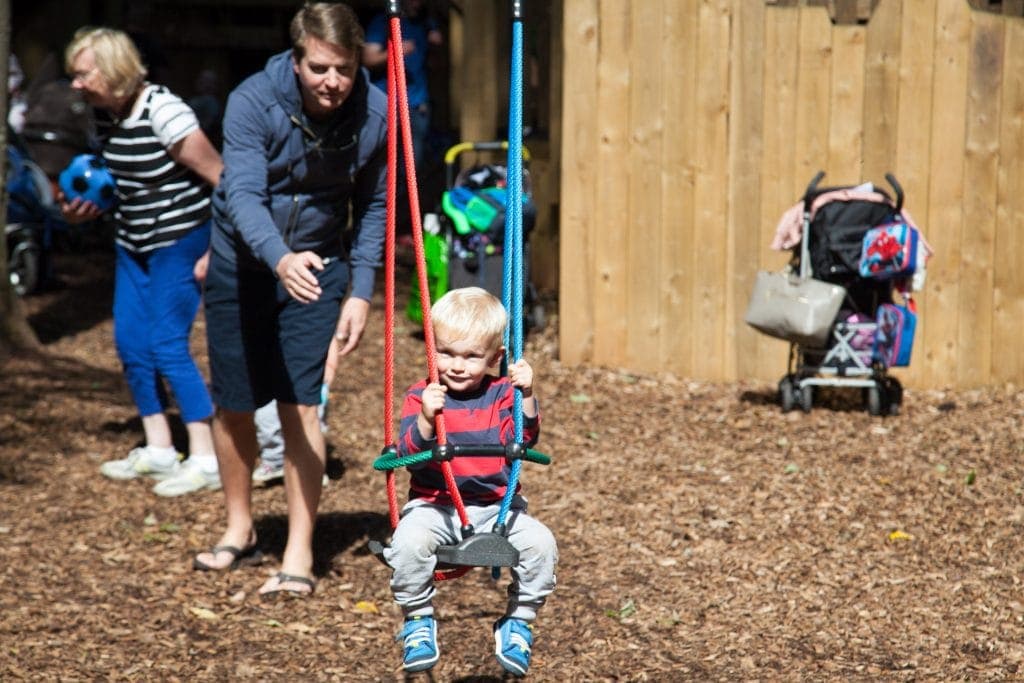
<point x="164" y="167"/>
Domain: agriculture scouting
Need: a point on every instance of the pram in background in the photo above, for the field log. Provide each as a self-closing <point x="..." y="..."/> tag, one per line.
<point x="464" y="240"/>
<point x="828" y="245"/>
<point x="33" y="218"/>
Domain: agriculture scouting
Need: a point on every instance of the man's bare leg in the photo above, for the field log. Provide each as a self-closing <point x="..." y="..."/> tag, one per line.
<point x="234" y="439"/>
<point x="305" y="456"/>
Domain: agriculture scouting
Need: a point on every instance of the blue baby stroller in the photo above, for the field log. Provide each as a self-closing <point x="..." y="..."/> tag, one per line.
<point x="32" y="219"/>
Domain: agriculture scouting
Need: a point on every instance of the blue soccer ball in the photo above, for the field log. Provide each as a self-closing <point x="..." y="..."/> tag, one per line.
<point x="87" y="177"/>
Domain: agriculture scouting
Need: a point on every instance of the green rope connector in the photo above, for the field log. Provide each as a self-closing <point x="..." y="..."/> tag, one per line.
<point x="534" y="456"/>
<point x="390" y="460"/>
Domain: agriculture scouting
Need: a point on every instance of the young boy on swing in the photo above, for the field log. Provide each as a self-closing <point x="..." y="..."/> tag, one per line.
<point x="477" y="409"/>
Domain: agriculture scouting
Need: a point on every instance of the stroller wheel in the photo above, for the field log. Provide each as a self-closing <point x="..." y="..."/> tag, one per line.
<point x="805" y="396"/>
<point x="873" y="398"/>
<point x="786" y="396"/>
<point x="536" y="320"/>
<point x="894" y="395"/>
<point x="23" y="267"/>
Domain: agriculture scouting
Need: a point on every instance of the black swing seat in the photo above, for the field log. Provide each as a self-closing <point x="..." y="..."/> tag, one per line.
<point x="486" y="549"/>
<point x="479" y="550"/>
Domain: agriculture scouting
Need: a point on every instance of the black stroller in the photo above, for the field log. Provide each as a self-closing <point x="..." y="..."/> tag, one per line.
<point x="835" y="221"/>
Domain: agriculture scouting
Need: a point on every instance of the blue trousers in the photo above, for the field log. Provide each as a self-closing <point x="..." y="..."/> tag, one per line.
<point x="156" y="298"/>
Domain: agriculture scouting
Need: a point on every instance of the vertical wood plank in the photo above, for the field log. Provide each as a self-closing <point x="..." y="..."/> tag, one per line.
<point x="746" y="132"/>
<point x="456" y="71"/>
<point x="981" y="168"/>
<point x="781" y="65"/>
<point x="846" y="120"/>
<point x="612" y="220"/>
<point x="643" y="158"/>
<point x="544" y="257"/>
<point x="913" y="149"/>
<point x="677" y="187"/>
<point x="578" y="198"/>
<point x="882" y="90"/>
<point x="1008" y="259"/>
<point x="709" y="252"/>
<point x="952" y="31"/>
<point x="813" y="95"/>
<point x="479" y="114"/>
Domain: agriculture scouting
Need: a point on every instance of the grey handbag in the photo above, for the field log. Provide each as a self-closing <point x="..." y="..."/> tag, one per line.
<point x="799" y="310"/>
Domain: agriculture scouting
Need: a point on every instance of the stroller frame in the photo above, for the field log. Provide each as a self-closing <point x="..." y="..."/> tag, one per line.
<point x="483" y="270"/>
<point x="841" y="364"/>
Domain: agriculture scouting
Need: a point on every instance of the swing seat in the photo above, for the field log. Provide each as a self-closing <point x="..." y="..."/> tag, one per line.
<point x="478" y="550"/>
<point x="485" y="549"/>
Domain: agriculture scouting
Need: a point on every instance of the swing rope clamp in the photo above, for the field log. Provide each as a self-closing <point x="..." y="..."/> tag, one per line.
<point x="443" y="452"/>
<point x="391" y="450"/>
<point x="514" y="451"/>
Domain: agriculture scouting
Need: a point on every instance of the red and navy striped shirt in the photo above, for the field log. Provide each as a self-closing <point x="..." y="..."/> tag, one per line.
<point x="481" y="417"/>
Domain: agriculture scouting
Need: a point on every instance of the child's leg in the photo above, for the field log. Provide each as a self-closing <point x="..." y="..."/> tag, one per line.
<point x="534" y="576"/>
<point x="421" y="529"/>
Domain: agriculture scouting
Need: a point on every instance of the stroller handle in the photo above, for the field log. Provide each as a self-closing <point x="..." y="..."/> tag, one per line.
<point x="898" y="189"/>
<point x="812" y="190"/>
<point x="451" y="157"/>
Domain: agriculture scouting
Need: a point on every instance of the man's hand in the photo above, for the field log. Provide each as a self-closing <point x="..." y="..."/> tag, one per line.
<point x="295" y="271"/>
<point x="351" y="324"/>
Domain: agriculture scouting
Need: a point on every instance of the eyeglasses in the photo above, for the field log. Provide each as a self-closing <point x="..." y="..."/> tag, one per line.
<point x="83" y="75"/>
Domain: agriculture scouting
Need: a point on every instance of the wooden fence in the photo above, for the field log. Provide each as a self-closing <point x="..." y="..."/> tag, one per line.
<point x="689" y="126"/>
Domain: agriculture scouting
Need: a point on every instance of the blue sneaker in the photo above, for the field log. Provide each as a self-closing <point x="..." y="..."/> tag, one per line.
<point x="513" y="640"/>
<point x="419" y="636"/>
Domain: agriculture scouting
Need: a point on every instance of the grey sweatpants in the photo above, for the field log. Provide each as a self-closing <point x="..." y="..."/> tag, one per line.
<point x="424" y="526"/>
<point x="269" y="435"/>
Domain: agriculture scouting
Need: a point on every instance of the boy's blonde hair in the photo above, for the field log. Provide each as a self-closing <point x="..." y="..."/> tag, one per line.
<point x="117" y="58"/>
<point x="470" y="313"/>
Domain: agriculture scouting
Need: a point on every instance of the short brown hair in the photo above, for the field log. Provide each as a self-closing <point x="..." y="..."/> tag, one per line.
<point x="331" y="22"/>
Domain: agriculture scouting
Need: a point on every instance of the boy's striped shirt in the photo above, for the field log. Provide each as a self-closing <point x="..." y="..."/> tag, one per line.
<point x="483" y="417"/>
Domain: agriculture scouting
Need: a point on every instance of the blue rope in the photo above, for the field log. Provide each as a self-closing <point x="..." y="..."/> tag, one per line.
<point x="512" y="286"/>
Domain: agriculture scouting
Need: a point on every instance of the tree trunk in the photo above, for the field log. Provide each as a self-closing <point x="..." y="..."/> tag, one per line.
<point x="15" y="332"/>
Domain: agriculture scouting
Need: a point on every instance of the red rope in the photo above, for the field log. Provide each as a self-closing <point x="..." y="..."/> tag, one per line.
<point x="397" y="93"/>
<point x="389" y="298"/>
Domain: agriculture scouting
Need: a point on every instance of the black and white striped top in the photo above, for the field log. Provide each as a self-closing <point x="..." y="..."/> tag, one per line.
<point x="159" y="200"/>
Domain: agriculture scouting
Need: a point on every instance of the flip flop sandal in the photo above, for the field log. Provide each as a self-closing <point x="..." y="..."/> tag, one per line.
<point x="280" y="590"/>
<point x="240" y="557"/>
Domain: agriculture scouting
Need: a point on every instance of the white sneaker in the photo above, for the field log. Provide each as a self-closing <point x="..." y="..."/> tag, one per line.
<point x="140" y="462"/>
<point x="188" y="479"/>
<point x="264" y="473"/>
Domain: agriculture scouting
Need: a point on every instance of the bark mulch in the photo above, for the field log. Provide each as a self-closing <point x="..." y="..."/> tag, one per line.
<point x="703" y="534"/>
